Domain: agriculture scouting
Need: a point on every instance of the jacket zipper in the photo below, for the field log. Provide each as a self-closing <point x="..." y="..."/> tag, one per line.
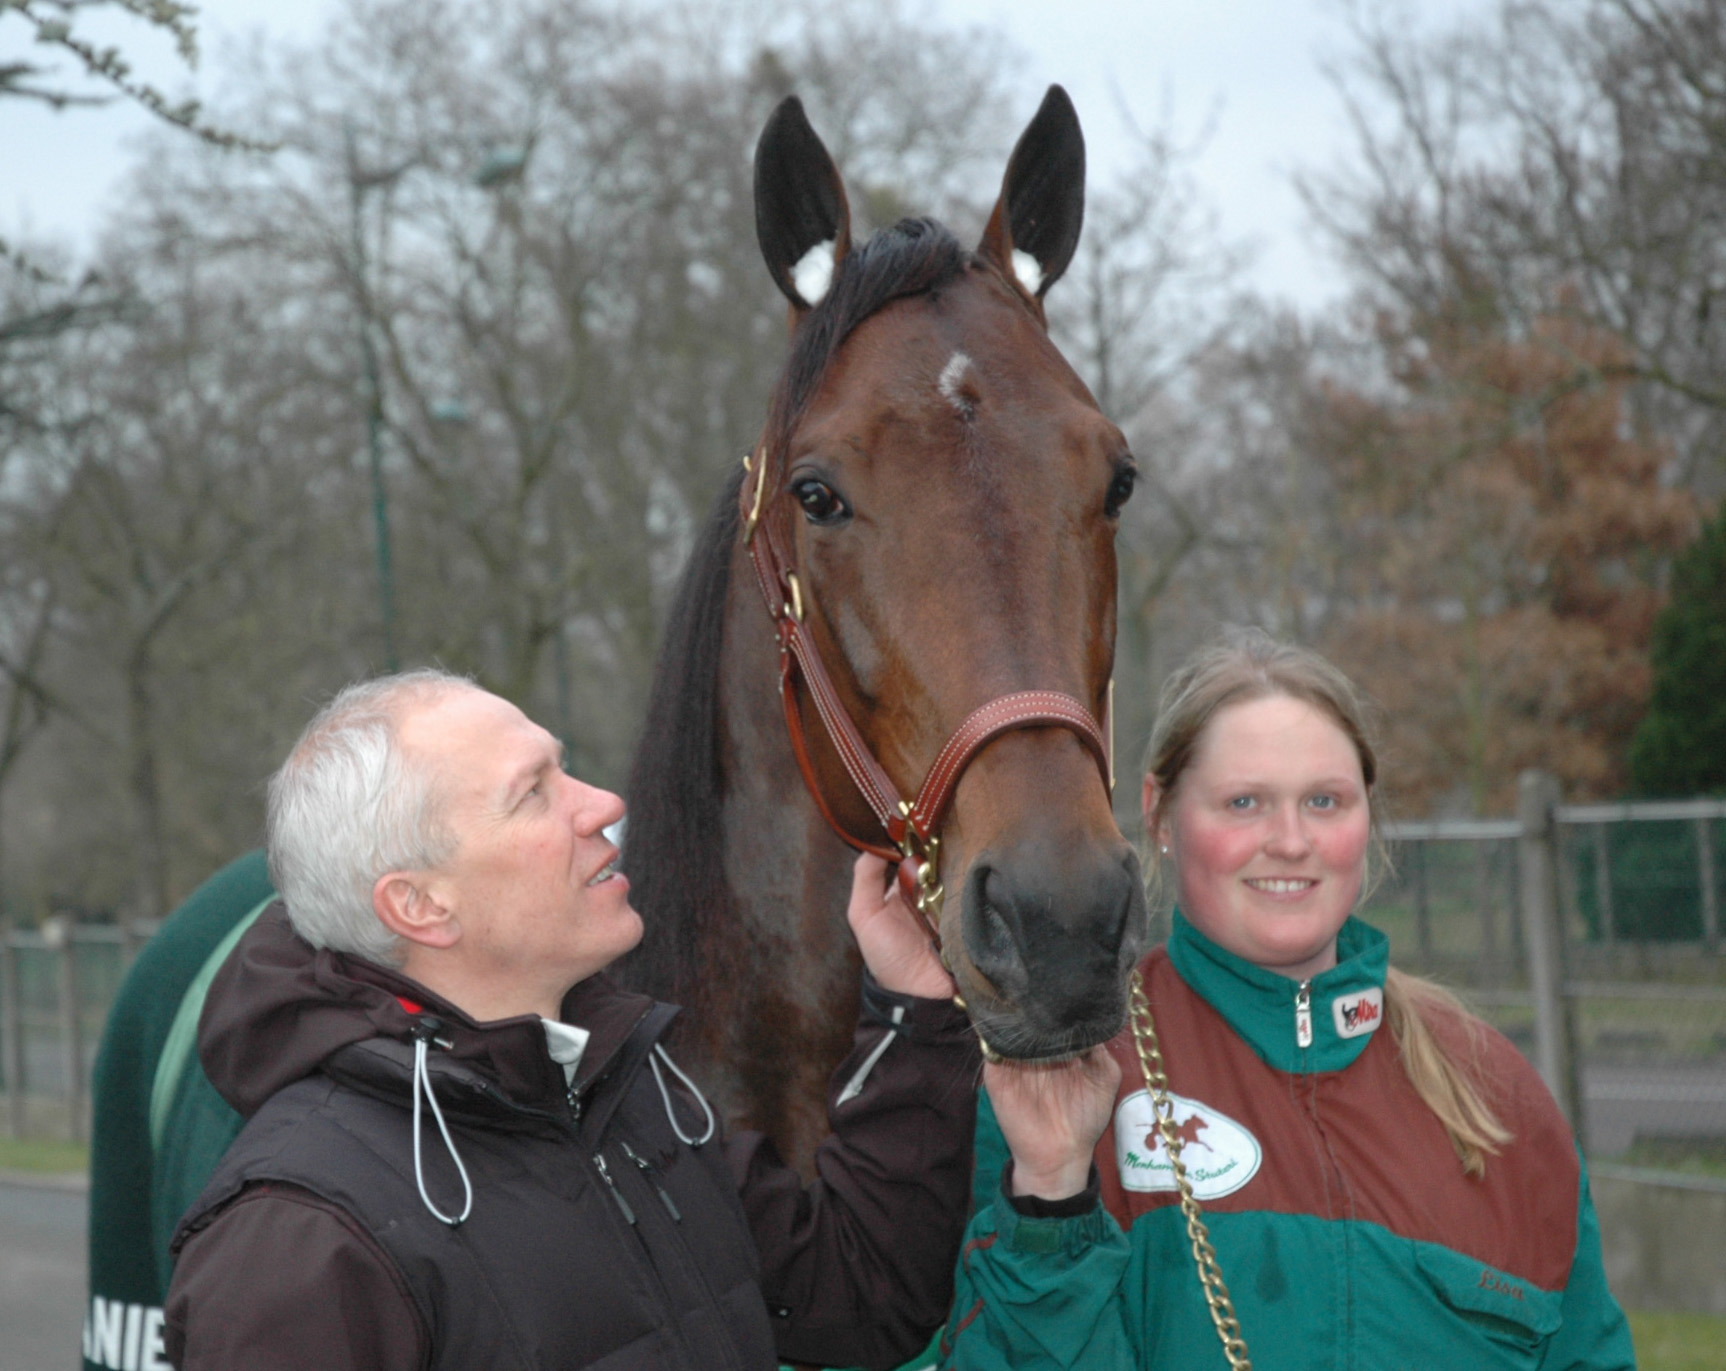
<point x="654" y="1273"/>
<point x="1303" y="1014"/>
<point x="646" y="1169"/>
<point x="611" y="1185"/>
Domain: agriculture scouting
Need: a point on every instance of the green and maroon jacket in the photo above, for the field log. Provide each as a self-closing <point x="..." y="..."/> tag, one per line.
<point x="1343" y="1222"/>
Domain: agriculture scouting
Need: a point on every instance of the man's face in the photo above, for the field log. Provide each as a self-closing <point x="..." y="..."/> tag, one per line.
<point x="530" y="885"/>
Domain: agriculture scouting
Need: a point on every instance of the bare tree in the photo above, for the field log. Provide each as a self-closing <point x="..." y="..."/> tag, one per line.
<point x="1561" y="156"/>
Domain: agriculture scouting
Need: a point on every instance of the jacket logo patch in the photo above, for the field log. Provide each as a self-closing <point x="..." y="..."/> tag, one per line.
<point x="1219" y="1154"/>
<point x="1358" y="1012"/>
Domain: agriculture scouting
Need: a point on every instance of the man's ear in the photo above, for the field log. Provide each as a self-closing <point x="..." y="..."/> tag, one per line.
<point x="405" y="904"/>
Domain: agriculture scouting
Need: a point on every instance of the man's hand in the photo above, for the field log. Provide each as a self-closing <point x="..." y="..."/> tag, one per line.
<point x="1052" y="1116"/>
<point x="894" y="946"/>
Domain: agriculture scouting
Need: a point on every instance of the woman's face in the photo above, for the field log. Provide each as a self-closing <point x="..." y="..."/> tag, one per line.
<point x="1268" y="831"/>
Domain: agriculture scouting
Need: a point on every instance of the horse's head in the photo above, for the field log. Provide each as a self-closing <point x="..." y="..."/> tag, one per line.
<point x="946" y="492"/>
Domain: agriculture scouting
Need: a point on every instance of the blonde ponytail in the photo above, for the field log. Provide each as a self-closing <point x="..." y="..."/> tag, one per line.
<point x="1447" y="1086"/>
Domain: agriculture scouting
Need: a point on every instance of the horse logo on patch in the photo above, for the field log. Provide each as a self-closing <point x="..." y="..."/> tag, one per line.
<point x="1219" y="1154"/>
<point x="1358" y="1012"/>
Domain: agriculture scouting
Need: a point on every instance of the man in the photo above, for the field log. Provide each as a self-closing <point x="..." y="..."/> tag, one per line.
<point x="467" y="1147"/>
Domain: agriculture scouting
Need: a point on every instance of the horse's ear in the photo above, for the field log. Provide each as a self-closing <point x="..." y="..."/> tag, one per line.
<point x="801" y="216"/>
<point x="1035" y="226"/>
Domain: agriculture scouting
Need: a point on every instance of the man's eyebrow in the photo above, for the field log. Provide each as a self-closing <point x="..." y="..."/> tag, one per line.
<point x="521" y="781"/>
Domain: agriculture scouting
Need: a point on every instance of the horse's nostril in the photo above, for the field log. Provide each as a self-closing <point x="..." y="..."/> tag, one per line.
<point x="995" y="939"/>
<point x="990" y="940"/>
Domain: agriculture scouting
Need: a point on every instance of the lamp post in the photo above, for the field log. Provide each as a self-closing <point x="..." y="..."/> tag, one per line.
<point x="359" y="182"/>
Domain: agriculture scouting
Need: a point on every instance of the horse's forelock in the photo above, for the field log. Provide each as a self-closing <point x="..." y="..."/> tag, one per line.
<point x="911" y="258"/>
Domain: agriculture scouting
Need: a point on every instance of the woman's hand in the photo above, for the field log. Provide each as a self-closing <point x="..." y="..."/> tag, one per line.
<point x="894" y="946"/>
<point x="1052" y="1116"/>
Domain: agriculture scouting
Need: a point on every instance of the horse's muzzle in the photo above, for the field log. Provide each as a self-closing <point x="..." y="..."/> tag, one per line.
<point x="1048" y="943"/>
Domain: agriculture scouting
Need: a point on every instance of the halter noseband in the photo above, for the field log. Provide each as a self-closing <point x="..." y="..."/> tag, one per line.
<point x="912" y="827"/>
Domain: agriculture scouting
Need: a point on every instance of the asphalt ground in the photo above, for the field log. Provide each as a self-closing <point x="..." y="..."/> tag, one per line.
<point x="42" y="1264"/>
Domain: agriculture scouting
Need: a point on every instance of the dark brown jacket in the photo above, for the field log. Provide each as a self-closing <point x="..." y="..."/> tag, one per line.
<point x="597" y="1236"/>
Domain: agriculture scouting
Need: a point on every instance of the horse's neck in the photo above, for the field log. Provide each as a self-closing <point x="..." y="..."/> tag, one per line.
<point x="781" y="1027"/>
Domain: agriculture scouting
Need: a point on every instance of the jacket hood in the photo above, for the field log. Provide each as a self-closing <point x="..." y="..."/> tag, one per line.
<point x="280" y="1009"/>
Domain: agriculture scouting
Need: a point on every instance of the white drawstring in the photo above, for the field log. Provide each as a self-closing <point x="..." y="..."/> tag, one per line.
<point x="665" y="1095"/>
<point x="422" y="1082"/>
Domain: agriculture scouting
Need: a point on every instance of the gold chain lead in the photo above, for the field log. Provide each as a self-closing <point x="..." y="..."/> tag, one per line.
<point x="1204" y="1255"/>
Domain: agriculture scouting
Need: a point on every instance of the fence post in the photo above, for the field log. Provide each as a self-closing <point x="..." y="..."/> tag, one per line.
<point x="1422" y="909"/>
<point x="11" y="1031"/>
<point x="1537" y="872"/>
<point x="1603" y="885"/>
<point x="1710" y="887"/>
<point x="59" y="934"/>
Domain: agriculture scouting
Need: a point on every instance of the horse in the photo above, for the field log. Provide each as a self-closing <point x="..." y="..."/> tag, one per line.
<point x="907" y="590"/>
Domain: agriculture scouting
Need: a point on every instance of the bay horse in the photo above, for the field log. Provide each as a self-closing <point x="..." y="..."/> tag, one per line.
<point x="915" y="573"/>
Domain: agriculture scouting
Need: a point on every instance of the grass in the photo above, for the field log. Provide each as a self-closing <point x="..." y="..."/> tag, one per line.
<point x="42" y="1154"/>
<point x="1687" y="1156"/>
<point x="1678" y="1342"/>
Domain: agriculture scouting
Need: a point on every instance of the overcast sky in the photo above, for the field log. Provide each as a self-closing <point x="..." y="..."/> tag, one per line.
<point x="1247" y="71"/>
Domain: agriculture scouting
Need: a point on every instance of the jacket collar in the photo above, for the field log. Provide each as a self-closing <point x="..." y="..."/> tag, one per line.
<point x="1345" y="1004"/>
<point x="279" y="1009"/>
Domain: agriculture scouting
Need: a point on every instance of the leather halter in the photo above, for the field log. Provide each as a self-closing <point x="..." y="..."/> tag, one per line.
<point x="912" y="827"/>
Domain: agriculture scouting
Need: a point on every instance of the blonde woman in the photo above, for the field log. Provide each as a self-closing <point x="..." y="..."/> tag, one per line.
<point x="1385" y="1180"/>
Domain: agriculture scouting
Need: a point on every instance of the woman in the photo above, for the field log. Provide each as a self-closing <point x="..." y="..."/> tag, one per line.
<point x="1385" y="1180"/>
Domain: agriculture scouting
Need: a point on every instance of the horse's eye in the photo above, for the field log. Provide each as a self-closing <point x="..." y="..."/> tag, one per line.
<point x="1120" y="490"/>
<point x="821" y="504"/>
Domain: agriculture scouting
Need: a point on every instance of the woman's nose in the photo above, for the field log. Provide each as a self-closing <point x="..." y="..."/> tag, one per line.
<point x="1288" y="835"/>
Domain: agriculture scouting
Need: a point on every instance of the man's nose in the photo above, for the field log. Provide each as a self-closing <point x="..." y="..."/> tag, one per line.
<point x="595" y="808"/>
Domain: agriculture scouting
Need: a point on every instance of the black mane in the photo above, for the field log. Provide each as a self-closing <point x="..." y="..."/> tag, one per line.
<point x="672" y="853"/>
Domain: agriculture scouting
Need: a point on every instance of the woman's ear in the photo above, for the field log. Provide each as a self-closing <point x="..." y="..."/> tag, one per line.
<point x="1157" y="827"/>
<point x="406" y="904"/>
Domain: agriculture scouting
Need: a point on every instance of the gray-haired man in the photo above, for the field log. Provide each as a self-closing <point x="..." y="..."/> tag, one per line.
<point x="467" y="1147"/>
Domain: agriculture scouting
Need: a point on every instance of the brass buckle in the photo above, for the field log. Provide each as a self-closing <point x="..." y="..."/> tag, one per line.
<point x="755" y="504"/>
<point x="926" y="853"/>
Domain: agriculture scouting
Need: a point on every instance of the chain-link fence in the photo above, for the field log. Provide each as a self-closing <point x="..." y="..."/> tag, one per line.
<point x="1635" y="901"/>
<point x="56" y="984"/>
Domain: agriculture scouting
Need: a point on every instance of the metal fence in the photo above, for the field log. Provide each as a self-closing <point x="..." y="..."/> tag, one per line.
<point x="1605" y="921"/>
<point x="56" y="984"/>
<point x="1589" y="934"/>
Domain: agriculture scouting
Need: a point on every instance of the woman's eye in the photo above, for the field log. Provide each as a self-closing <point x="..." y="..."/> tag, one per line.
<point x="1241" y="803"/>
<point x="1323" y="801"/>
<point x="821" y="503"/>
<point x="1120" y="491"/>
